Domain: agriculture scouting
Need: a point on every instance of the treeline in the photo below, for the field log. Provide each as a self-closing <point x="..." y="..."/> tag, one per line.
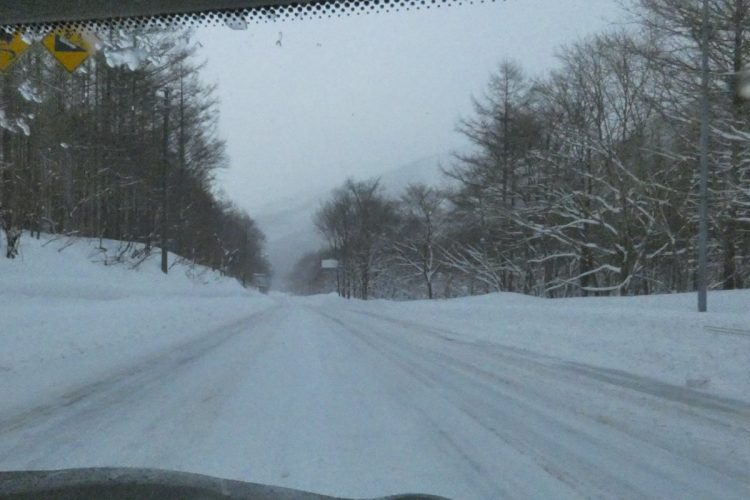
<point x="583" y="182"/>
<point x="124" y="148"/>
<point x="384" y="247"/>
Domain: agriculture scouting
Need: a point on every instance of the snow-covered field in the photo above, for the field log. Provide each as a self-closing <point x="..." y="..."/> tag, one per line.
<point x="485" y="397"/>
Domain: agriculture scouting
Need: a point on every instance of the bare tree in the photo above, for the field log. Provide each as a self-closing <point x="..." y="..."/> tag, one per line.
<point x="422" y="209"/>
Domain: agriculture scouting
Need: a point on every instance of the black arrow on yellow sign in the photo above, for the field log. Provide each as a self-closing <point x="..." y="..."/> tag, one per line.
<point x="63" y="44"/>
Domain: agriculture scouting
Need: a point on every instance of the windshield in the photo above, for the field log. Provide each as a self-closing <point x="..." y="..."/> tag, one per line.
<point x="455" y="248"/>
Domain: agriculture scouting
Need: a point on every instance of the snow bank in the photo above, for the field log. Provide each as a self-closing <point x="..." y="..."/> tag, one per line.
<point x="66" y="315"/>
<point x="86" y="268"/>
<point x="658" y="336"/>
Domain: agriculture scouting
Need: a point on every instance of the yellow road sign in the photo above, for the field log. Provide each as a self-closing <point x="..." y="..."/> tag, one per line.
<point x="12" y="46"/>
<point x="68" y="47"/>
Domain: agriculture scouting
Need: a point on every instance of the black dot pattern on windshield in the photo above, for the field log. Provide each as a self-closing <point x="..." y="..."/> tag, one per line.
<point x="241" y="17"/>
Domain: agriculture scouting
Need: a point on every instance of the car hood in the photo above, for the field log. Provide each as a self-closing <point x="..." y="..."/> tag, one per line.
<point x="129" y="483"/>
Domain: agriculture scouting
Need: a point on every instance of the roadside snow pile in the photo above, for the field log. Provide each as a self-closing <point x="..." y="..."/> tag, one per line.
<point x="657" y="336"/>
<point x="61" y="305"/>
<point x="87" y="268"/>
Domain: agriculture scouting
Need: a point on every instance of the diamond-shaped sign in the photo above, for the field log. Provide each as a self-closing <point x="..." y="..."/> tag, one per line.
<point x="12" y="46"/>
<point x="68" y="47"/>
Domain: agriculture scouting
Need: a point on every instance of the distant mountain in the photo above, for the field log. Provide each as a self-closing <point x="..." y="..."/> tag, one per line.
<point x="288" y="225"/>
<point x="425" y="170"/>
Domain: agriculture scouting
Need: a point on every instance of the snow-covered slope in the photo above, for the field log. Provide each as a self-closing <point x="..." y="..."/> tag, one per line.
<point x="288" y="223"/>
<point x="425" y="171"/>
<point x="66" y="267"/>
<point x="61" y="305"/>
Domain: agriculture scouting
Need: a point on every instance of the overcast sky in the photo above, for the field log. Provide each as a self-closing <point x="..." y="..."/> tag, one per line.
<point x="359" y="96"/>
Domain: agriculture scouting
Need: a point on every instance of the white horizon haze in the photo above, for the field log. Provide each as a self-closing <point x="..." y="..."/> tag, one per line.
<point x="305" y="104"/>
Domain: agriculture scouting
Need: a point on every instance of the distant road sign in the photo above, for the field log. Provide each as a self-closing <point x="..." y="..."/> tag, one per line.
<point x="12" y="46"/>
<point x="70" y="48"/>
<point x="329" y="264"/>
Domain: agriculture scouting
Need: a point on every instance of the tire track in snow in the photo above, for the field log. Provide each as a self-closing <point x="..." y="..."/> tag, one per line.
<point x="604" y="463"/>
<point x="483" y="475"/>
<point x="646" y="385"/>
<point x="710" y="412"/>
<point x="104" y="403"/>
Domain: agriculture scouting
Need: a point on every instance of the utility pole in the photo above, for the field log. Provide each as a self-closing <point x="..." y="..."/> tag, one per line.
<point x="703" y="191"/>
<point x="164" y="190"/>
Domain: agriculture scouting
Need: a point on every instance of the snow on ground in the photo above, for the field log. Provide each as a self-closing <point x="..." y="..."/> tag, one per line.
<point x="501" y="396"/>
<point x="63" y="310"/>
<point x="660" y="336"/>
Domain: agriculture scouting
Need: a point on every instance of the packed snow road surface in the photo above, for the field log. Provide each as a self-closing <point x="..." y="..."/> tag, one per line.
<point x="332" y="397"/>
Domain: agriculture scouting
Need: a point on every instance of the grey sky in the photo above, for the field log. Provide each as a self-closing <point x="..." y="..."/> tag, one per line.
<point x="359" y="96"/>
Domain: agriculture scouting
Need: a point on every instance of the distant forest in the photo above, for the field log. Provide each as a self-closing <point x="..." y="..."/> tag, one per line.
<point x="583" y="182"/>
<point x="125" y="148"/>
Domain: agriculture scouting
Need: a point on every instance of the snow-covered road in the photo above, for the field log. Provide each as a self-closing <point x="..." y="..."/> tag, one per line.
<point x="350" y="402"/>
